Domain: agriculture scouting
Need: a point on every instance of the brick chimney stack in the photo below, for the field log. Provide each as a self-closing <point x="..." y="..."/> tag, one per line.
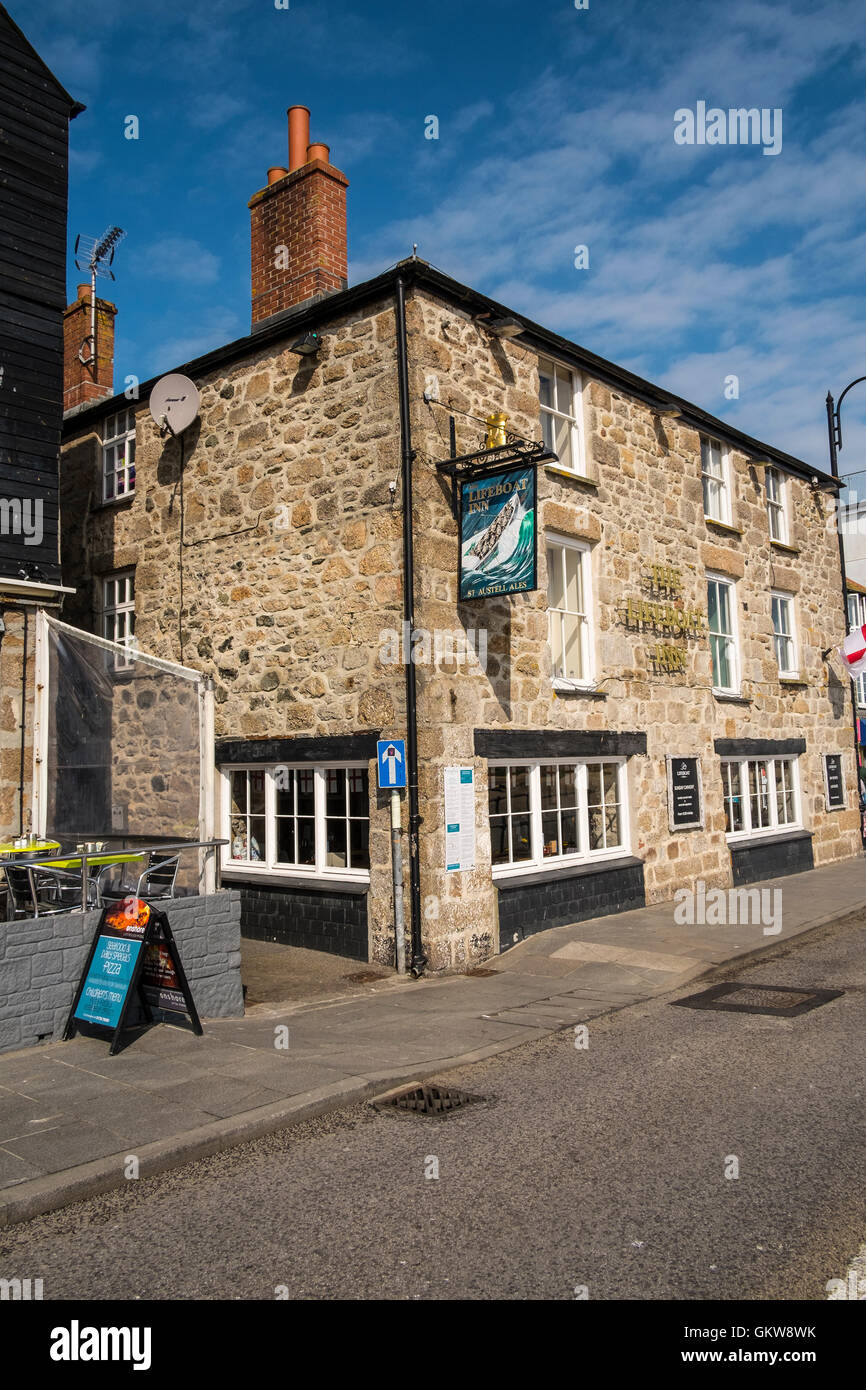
<point x="95" y="381"/>
<point x="298" y="227"/>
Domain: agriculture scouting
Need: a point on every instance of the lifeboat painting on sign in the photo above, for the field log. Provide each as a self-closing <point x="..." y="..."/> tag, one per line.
<point x="497" y="534"/>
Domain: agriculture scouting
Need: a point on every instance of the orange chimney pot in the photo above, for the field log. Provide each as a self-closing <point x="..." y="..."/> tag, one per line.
<point x="299" y="136"/>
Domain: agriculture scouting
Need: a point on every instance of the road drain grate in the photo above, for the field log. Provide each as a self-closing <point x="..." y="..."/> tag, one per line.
<point x="426" y="1100"/>
<point x="779" y="1001"/>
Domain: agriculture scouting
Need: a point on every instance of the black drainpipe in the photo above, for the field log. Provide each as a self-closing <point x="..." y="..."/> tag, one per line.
<point x="834" y="469"/>
<point x="419" y="960"/>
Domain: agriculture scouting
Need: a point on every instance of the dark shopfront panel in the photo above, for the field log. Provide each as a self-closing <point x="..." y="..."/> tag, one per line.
<point x="320" y="918"/>
<point x="773" y="857"/>
<point x="556" y="899"/>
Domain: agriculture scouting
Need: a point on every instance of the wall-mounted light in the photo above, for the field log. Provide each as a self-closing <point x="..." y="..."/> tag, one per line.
<point x="502" y="325"/>
<point x="307" y="345"/>
<point x="506" y="327"/>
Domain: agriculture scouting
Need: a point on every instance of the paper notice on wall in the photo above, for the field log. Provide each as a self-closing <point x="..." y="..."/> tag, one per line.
<point x="459" y="818"/>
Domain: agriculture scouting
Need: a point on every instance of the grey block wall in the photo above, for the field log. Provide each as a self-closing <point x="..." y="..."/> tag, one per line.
<point x="41" y="960"/>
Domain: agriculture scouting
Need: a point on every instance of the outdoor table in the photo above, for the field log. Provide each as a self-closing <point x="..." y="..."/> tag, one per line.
<point x="103" y="858"/>
<point x="35" y="858"/>
<point x="43" y="848"/>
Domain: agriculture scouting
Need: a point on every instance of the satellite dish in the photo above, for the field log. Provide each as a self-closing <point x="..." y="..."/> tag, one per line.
<point x="174" y="403"/>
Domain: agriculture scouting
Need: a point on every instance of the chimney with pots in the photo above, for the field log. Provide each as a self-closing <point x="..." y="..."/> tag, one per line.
<point x="88" y="366"/>
<point x="298" y="227"/>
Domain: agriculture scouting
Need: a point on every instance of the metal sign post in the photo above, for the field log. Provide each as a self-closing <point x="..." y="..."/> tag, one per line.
<point x="391" y="758"/>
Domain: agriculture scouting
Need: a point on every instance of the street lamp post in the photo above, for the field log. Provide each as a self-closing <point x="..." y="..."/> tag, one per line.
<point x="834" y="427"/>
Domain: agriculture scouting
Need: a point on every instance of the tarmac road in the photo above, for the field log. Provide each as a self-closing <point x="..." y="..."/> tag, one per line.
<point x="601" y="1168"/>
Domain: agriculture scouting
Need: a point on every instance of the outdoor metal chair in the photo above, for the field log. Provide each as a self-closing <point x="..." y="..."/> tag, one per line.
<point x="20" y="891"/>
<point x="38" y="891"/>
<point x="157" y="880"/>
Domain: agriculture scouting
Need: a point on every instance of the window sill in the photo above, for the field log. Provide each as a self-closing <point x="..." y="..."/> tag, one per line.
<point x="769" y="837"/>
<point x="783" y="545"/>
<point x="795" y="682"/>
<point x="731" y="697"/>
<point x="570" y="473"/>
<point x="272" y="878"/>
<point x="560" y="686"/>
<point x="724" y="526"/>
<point x="533" y="874"/>
<point x="107" y="502"/>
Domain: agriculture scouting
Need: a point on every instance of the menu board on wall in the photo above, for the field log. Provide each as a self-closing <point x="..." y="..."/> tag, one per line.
<point x="834" y="782"/>
<point x="685" y="800"/>
<point x="459" y="818"/>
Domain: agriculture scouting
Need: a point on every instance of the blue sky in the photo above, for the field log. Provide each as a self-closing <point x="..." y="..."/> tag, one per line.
<point x="555" y="130"/>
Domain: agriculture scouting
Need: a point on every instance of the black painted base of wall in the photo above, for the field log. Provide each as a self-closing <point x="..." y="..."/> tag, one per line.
<point x="558" y="899"/>
<point x="320" y="919"/>
<point x="771" y="858"/>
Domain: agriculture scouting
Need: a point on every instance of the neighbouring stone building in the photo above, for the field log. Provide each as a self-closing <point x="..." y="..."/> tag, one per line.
<point x="688" y="597"/>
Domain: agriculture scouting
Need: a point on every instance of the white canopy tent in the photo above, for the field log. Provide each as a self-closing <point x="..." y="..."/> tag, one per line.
<point x="122" y="743"/>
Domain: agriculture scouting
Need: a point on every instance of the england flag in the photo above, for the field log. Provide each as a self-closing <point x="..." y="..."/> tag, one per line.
<point x="853" y="652"/>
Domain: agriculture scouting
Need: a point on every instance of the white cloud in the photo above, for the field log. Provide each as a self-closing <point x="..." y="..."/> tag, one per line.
<point x="176" y="258"/>
<point x="217" y="326"/>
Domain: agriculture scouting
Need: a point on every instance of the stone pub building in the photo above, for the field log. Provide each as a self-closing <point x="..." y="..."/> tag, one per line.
<point x="661" y="708"/>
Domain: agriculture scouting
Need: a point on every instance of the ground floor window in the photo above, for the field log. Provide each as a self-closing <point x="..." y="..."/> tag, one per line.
<point x="761" y="795"/>
<point x="297" y="820"/>
<point x="545" y="814"/>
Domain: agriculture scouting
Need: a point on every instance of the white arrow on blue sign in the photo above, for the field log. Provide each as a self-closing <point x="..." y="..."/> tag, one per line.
<point x="392" y="762"/>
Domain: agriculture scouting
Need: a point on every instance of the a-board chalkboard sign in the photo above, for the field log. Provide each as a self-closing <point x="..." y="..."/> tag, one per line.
<point x="834" y="782"/>
<point x="685" y="794"/>
<point x="133" y="966"/>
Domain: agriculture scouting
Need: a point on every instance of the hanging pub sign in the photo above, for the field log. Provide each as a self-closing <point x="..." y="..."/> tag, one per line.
<point x="498" y="542"/>
<point x="133" y="966"/>
<point x="834" y="782"/>
<point x="685" y="810"/>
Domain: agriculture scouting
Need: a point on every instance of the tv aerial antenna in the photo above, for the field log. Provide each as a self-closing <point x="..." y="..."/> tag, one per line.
<point x="95" y="254"/>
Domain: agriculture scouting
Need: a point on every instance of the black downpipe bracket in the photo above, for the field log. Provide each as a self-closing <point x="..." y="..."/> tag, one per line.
<point x="419" y="960"/>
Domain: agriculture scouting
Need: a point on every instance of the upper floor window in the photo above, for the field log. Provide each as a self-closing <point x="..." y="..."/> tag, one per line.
<point x="784" y="639"/>
<point x="715" y="481"/>
<point x="777" y="505"/>
<point x="118" y="455"/>
<point x="568" y="602"/>
<point x="306" y="820"/>
<point x="561" y="422"/>
<point x="118" y="613"/>
<point x="721" y="611"/>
